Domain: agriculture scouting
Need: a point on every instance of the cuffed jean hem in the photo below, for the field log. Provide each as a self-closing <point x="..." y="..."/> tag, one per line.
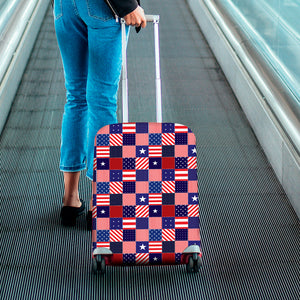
<point x="73" y="169"/>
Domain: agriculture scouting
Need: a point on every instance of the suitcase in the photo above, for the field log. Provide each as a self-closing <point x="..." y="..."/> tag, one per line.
<point x="145" y="192"/>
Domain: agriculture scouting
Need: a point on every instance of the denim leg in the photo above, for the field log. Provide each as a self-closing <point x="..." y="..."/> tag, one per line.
<point x="105" y="63"/>
<point x="71" y="35"/>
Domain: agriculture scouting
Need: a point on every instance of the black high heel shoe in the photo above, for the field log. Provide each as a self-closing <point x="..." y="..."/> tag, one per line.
<point x="69" y="214"/>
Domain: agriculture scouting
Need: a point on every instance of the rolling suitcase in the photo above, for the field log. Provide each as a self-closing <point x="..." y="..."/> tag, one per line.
<point x="145" y="192"/>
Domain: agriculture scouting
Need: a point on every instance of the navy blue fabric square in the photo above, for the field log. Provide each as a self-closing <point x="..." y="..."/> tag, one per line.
<point x="168" y="247"/>
<point x="102" y="235"/>
<point x="154" y="162"/>
<point x="168" y="127"/>
<point x="192" y="243"/>
<point x="129" y="163"/>
<point x="181" y="210"/>
<point x="116" y="223"/>
<point x="129" y="259"/>
<point x="168" y="175"/>
<point x="142" y="247"/>
<point x="168" y="151"/>
<point x="192" y="151"/>
<point x="181" y="138"/>
<point x="177" y="258"/>
<point x="115" y="175"/>
<point x="168" y="223"/>
<point x="116" y="247"/>
<point x="129" y="187"/>
<point x="155" y="211"/>
<point x="193" y="174"/>
<point x="181" y="234"/>
<point x="168" y="199"/>
<point x="155" y="235"/>
<point x="193" y="198"/>
<point x="142" y="151"/>
<point x="193" y="222"/>
<point x="102" y="211"/>
<point x="181" y="163"/>
<point x="116" y="151"/>
<point x="102" y="140"/>
<point x="129" y="211"/>
<point x="155" y="258"/>
<point x="128" y="235"/>
<point x="116" y="128"/>
<point x="181" y="186"/>
<point x="155" y="139"/>
<point x="155" y="187"/>
<point x="102" y="187"/>
<point x="141" y="127"/>
<point x="142" y="223"/>
<point x="142" y="175"/>
<point x="103" y="163"/>
<point x="128" y="139"/>
<point x="142" y="199"/>
<point x="116" y="199"/>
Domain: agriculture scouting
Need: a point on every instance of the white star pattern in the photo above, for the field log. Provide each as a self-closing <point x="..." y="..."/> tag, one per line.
<point x="102" y="211"/>
<point x="142" y="199"/>
<point x="155" y="163"/>
<point x="194" y="150"/>
<point x="143" y="247"/>
<point x="142" y="151"/>
<point x="155" y="211"/>
<point x="155" y="258"/>
<point x="195" y="198"/>
<point x="103" y="163"/>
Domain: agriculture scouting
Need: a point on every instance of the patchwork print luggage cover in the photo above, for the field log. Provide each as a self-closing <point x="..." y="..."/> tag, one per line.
<point x="145" y="193"/>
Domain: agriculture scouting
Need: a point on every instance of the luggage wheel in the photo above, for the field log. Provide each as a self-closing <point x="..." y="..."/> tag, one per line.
<point x="98" y="264"/>
<point x="194" y="263"/>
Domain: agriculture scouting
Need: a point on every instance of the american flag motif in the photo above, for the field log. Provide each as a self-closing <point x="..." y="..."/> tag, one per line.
<point x="102" y="199"/>
<point x="145" y="199"/>
<point x="102" y="151"/>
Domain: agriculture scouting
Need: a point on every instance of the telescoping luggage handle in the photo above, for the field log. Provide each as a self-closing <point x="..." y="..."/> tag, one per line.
<point x="155" y="20"/>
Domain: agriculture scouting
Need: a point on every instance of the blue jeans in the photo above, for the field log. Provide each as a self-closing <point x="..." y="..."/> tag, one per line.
<point x="89" y="40"/>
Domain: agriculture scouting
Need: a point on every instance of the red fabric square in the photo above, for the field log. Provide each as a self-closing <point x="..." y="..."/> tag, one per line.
<point x="168" y="163"/>
<point x="168" y="210"/>
<point x="117" y="259"/>
<point x="168" y="258"/>
<point x="116" y="164"/>
<point x="116" y="211"/>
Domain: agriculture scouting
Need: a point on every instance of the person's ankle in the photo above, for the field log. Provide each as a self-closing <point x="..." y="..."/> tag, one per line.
<point x="73" y="202"/>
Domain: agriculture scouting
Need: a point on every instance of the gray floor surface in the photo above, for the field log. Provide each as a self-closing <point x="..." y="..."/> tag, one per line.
<point x="250" y="233"/>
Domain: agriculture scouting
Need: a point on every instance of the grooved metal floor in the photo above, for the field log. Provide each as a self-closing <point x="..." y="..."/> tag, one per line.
<point x="250" y="233"/>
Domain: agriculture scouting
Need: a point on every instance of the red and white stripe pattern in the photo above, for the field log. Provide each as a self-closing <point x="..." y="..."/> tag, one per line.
<point x="116" y="235"/>
<point x="94" y="212"/>
<point x="193" y="211"/>
<point x="155" y="247"/>
<point x="180" y="128"/>
<point x="192" y="162"/>
<point x="142" y="163"/>
<point x="129" y="175"/>
<point x="142" y="258"/>
<point x="155" y="151"/>
<point x="168" y="187"/>
<point x="102" y="151"/>
<point x="142" y="211"/>
<point x="168" y="235"/>
<point x="168" y="139"/>
<point x="102" y="199"/>
<point x="116" y="139"/>
<point x="129" y="223"/>
<point x="103" y="244"/>
<point x="181" y="175"/>
<point x="95" y="164"/>
<point x="181" y="223"/>
<point x="155" y="199"/>
<point x="116" y="187"/>
<point x="129" y="127"/>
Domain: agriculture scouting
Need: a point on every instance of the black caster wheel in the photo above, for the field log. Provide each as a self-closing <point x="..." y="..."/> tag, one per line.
<point x="190" y="265"/>
<point x="197" y="264"/>
<point x="98" y="264"/>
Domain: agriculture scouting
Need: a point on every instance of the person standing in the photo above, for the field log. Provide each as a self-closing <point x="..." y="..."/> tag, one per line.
<point x="90" y="44"/>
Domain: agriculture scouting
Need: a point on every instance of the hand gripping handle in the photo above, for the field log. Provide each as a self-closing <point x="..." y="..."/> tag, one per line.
<point x="155" y="20"/>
